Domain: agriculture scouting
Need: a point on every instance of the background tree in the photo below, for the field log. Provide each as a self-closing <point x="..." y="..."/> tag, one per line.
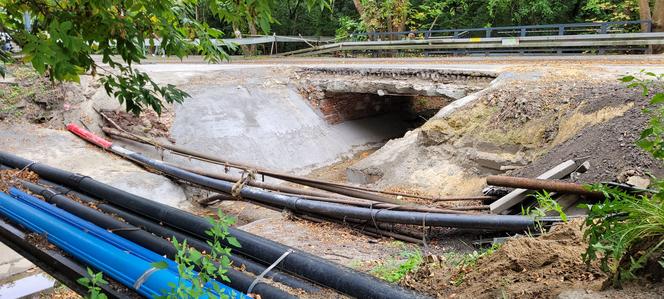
<point x="66" y="33"/>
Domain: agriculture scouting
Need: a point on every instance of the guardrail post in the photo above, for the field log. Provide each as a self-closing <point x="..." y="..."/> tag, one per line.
<point x="427" y="34"/>
<point x="603" y="28"/>
<point x="523" y="32"/>
<point x="488" y="32"/>
<point x="456" y="34"/>
<point x="561" y="30"/>
<point x="648" y="26"/>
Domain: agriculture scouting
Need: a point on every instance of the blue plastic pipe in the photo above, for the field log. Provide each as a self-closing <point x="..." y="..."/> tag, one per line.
<point x="114" y="262"/>
<point x="84" y="225"/>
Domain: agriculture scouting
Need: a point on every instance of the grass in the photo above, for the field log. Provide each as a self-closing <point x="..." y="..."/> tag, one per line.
<point x="465" y="263"/>
<point x="395" y="269"/>
<point x="625" y="232"/>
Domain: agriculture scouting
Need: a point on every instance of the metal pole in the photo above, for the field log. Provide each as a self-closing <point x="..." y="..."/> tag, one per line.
<point x="538" y="184"/>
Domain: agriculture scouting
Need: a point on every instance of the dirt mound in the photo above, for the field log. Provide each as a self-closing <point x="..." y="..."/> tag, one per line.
<point x="148" y="123"/>
<point x="610" y="148"/>
<point x="523" y="267"/>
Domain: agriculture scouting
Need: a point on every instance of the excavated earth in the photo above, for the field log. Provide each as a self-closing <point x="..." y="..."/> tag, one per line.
<point x="525" y="121"/>
<point x="520" y="120"/>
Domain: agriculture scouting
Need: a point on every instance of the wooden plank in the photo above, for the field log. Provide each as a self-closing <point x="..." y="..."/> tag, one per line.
<point x="518" y="195"/>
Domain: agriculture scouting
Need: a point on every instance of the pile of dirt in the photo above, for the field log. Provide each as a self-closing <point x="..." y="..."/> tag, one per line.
<point x="609" y="147"/>
<point x="149" y="123"/>
<point x="523" y="267"/>
<point x="30" y="97"/>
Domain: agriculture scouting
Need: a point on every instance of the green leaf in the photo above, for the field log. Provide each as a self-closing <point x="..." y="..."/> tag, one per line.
<point x="233" y="241"/>
<point x="159" y="265"/>
<point x="657" y="99"/>
<point x="628" y="78"/>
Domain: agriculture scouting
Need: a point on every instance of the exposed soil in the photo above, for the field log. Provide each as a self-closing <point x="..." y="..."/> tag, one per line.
<point x="149" y="123"/>
<point x="30" y="97"/>
<point x="524" y="267"/>
<point x="610" y="149"/>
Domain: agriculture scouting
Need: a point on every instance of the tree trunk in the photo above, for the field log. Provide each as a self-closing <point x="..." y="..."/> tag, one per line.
<point x="644" y="14"/>
<point x="658" y="16"/>
<point x="252" y="31"/>
<point x="359" y="7"/>
<point x="238" y="34"/>
<point x="658" y="22"/>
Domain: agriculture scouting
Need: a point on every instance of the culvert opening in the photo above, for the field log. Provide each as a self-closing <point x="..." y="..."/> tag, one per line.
<point x="403" y="98"/>
<point x="410" y="111"/>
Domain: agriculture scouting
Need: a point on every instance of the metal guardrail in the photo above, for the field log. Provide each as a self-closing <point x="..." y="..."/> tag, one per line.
<point x="510" y="31"/>
<point x="597" y="41"/>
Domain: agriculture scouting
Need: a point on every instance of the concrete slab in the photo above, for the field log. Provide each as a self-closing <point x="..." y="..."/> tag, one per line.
<point x="62" y="149"/>
<point x="257" y="121"/>
<point x="12" y="263"/>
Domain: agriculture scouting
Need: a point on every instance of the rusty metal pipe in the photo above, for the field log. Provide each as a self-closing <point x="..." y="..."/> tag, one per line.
<point x="538" y="184"/>
<point x="360" y="192"/>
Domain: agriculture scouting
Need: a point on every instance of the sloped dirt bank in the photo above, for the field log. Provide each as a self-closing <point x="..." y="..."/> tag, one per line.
<point x="518" y="120"/>
<point x="544" y="267"/>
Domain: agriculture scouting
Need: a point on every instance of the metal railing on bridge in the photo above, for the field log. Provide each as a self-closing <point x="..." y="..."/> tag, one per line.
<point x="511" y="31"/>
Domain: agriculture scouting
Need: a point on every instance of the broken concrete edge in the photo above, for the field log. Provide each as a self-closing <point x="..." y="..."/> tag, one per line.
<point x="518" y="195"/>
<point x="430" y="73"/>
<point x="367" y="171"/>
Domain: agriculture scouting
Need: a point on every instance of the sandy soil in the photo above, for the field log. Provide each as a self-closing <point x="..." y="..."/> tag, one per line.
<point x="525" y="267"/>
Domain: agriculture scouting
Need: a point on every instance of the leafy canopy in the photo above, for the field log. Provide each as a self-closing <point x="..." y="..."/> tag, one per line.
<point x="66" y="33"/>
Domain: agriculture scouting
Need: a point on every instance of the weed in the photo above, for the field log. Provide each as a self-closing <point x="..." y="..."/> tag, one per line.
<point x="652" y="137"/>
<point x="545" y="204"/>
<point x="394" y="270"/>
<point x="212" y="265"/>
<point x="191" y="284"/>
<point x="93" y="283"/>
<point x="626" y="231"/>
<point x="467" y="262"/>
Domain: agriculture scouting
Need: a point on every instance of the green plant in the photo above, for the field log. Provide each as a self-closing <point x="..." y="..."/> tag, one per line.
<point x="66" y="34"/>
<point x="93" y="283"/>
<point x="347" y="27"/>
<point x="465" y="263"/>
<point x="625" y="232"/>
<point x="210" y="265"/>
<point x="394" y="270"/>
<point x="544" y="204"/>
<point x="652" y="138"/>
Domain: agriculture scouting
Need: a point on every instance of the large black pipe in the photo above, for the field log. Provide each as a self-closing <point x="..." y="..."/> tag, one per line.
<point x="249" y="265"/>
<point x="340" y="211"/>
<point x="134" y="233"/>
<point x="316" y="269"/>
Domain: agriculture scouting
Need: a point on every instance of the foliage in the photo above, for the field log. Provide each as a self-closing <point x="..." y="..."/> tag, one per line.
<point x="625" y="231"/>
<point x="93" y="283"/>
<point x="652" y="138"/>
<point x="211" y="266"/>
<point x="465" y="263"/>
<point x="544" y="204"/>
<point x="527" y="12"/>
<point x="394" y="270"/>
<point x="65" y="35"/>
<point x="609" y="10"/>
<point x="348" y="26"/>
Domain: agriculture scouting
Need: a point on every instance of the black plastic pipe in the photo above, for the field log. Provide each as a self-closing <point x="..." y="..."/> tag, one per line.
<point x="340" y="211"/>
<point x="134" y="233"/>
<point x="249" y="265"/>
<point x="323" y="272"/>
